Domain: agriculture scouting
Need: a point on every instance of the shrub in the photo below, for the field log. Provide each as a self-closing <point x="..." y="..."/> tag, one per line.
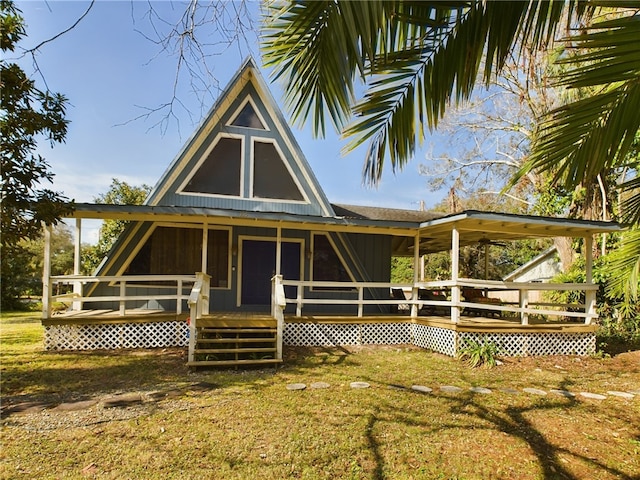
<point x="479" y="353"/>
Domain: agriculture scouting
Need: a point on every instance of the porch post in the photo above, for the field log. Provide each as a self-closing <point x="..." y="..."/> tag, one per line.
<point x="46" y="273"/>
<point x="416" y="263"/>
<point x="590" y="295"/>
<point x="205" y="247"/>
<point x="77" y="286"/>
<point x="455" y="264"/>
<point x="278" y="250"/>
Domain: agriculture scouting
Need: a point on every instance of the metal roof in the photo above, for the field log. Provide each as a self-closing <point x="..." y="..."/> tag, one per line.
<point x="435" y="231"/>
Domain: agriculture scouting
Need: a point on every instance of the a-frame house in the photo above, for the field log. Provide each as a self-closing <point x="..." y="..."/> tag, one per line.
<point x="238" y="236"/>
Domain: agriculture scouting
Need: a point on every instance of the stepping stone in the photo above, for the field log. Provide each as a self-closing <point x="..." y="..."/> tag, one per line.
<point x="296" y="386"/>
<point x="421" y="389"/>
<point x="75" y="406"/>
<point x="125" y="400"/>
<point x="26" y="408"/>
<point x="161" y="395"/>
<point x="534" y="391"/>
<point x="626" y="395"/>
<point x="359" y="385"/>
<point x="320" y="385"/>
<point x="511" y="391"/>
<point x="450" y="389"/>
<point x="595" y="396"/>
<point x="563" y="393"/>
<point x="480" y="390"/>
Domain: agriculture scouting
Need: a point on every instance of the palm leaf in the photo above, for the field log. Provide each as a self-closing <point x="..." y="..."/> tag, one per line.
<point x="625" y="262"/>
<point x="588" y="136"/>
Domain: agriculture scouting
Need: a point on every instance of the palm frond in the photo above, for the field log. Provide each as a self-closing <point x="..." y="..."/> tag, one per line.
<point x="625" y="262"/>
<point x="413" y="86"/>
<point x="317" y="49"/>
<point x="585" y="137"/>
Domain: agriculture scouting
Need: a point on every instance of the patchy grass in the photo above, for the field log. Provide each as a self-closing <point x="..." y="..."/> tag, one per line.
<point x="245" y="424"/>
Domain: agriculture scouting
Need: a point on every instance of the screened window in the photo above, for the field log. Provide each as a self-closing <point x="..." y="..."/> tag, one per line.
<point x="248" y="118"/>
<point x="220" y="172"/>
<point x="271" y="179"/>
<point x="327" y="266"/>
<point x="178" y="251"/>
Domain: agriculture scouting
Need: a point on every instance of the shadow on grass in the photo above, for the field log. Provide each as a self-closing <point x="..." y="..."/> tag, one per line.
<point x="510" y="420"/>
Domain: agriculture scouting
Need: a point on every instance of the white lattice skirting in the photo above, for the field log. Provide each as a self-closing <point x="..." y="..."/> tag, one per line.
<point x="441" y="340"/>
<point x="535" y="344"/>
<point x="325" y="335"/>
<point x="115" y="336"/>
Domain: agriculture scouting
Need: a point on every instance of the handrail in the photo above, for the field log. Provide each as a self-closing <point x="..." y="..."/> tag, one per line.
<point x="354" y="291"/>
<point x="278" y="304"/>
<point x="198" y="305"/>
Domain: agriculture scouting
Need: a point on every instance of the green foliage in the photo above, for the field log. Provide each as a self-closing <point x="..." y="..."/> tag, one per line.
<point x="478" y="354"/>
<point x="119" y="193"/>
<point x="26" y="113"/>
<point x="402" y="269"/>
<point x="619" y="314"/>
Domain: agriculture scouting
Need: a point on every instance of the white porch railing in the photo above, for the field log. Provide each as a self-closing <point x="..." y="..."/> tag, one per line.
<point x="121" y="282"/>
<point x="450" y="290"/>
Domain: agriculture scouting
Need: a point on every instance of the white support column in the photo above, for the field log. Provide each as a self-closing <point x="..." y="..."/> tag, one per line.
<point x="524" y="304"/>
<point x="205" y="247"/>
<point x="46" y="273"/>
<point x="278" y="251"/>
<point x="416" y="263"/>
<point x="455" y="265"/>
<point x="123" y="295"/>
<point x="77" y="286"/>
<point x="590" y="306"/>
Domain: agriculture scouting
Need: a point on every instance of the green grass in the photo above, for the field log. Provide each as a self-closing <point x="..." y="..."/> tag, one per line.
<point x="249" y="426"/>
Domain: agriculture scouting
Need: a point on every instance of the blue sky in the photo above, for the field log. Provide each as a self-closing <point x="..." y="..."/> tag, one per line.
<point x="109" y="71"/>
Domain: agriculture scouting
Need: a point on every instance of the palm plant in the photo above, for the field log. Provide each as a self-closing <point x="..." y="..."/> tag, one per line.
<point x="415" y="58"/>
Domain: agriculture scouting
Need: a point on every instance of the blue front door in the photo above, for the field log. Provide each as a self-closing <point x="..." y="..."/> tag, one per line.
<point x="259" y="266"/>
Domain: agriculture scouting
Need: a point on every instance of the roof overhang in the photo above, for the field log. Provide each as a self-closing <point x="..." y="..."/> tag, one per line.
<point x="199" y="215"/>
<point x="435" y="235"/>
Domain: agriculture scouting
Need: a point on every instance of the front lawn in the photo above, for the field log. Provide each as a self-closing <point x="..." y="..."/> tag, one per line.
<point x="246" y="424"/>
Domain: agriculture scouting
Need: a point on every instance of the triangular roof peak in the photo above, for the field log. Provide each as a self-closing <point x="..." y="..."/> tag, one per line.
<point x="243" y="156"/>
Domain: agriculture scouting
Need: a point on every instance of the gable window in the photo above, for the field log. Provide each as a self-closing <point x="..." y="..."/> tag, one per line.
<point x="327" y="264"/>
<point x="271" y="178"/>
<point x="247" y="117"/>
<point x="221" y="170"/>
<point x="178" y="251"/>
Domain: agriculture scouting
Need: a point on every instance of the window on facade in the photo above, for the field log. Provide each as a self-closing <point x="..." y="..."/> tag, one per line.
<point x="248" y="118"/>
<point x="220" y="172"/>
<point x="178" y="251"/>
<point x="327" y="266"/>
<point x="271" y="178"/>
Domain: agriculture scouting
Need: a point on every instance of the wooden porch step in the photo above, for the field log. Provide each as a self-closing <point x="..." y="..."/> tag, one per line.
<point x="236" y="340"/>
<point x="238" y="330"/>
<point x="234" y="350"/>
<point x="234" y="321"/>
<point x="221" y="363"/>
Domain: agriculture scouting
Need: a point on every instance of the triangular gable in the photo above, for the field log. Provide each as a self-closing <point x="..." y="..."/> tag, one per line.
<point x="243" y="157"/>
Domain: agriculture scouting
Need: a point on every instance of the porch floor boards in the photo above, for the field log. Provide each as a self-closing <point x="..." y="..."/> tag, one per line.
<point x="262" y="320"/>
<point x="80" y="317"/>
